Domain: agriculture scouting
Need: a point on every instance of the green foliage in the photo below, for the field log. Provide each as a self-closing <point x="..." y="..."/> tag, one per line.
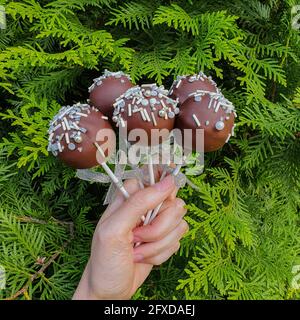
<point x="244" y="222"/>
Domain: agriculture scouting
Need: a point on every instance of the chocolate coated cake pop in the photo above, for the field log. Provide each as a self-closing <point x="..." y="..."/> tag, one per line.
<point x="106" y="89"/>
<point x="147" y="107"/>
<point x="211" y="112"/>
<point x="184" y="86"/>
<point x="73" y="132"/>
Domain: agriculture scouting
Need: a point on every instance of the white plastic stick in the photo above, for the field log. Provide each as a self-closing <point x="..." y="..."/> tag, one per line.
<point x="152" y="182"/>
<point x="156" y="210"/>
<point x="112" y="176"/>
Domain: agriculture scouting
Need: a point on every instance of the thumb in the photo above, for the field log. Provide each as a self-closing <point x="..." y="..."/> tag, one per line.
<point x="132" y="210"/>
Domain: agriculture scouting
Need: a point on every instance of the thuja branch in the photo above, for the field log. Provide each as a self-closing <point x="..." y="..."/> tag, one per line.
<point x="24" y="290"/>
<point x="29" y="219"/>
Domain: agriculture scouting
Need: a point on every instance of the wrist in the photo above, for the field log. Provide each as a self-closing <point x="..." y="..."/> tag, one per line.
<point x="84" y="290"/>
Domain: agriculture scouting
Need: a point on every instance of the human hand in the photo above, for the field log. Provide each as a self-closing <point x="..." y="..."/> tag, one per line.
<point x="116" y="269"/>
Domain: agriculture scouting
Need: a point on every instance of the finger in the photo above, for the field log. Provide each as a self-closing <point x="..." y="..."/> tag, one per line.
<point x="148" y="250"/>
<point x="167" y="221"/>
<point x="162" y="257"/>
<point x="131" y="211"/>
<point x="174" y="194"/>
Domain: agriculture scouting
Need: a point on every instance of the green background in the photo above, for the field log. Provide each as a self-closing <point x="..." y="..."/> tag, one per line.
<point x="244" y="237"/>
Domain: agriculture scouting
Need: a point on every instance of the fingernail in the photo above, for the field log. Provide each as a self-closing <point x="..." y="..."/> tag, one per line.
<point x="138" y="257"/>
<point x="165" y="184"/>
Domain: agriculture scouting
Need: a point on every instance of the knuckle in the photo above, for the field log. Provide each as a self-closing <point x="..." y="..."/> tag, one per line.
<point x="109" y="234"/>
<point x="104" y="235"/>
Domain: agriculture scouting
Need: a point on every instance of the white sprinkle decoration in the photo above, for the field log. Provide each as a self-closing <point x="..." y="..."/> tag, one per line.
<point x="51" y="136"/>
<point x="64" y="126"/>
<point x="71" y="146"/>
<point x="153" y="119"/>
<point x="80" y="149"/>
<point x="210" y="102"/>
<point x="147" y="115"/>
<point x="206" y="122"/>
<point x="217" y="107"/>
<point x="59" y="146"/>
<point x="228" y="138"/>
<point x="214" y="104"/>
<point x="76" y="126"/>
<point x="81" y="114"/>
<point x="161" y="113"/>
<point x="220" y="125"/>
<point x="196" y="120"/>
<point x="67" y="138"/>
<point x="67" y="124"/>
<point x="163" y="104"/>
<point x="166" y="116"/>
<point x="178" y="84"/>
<point x="142" y="114"/>
<point x="57" y="127"/>
<point x="148" y="85"/>
<point x="129" y="110"/>
<point x="104" y="118"/>
<point x="145" y="102"/>
<point x="164" y="96"/>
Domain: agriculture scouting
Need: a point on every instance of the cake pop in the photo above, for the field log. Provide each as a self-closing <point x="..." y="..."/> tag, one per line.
<point x="211" y="112"/>
<point x="147" y="107"/>
<point x="75" y="137"/>
<point x="73" y="132"/>
<point x="106" y="89"/>
<point x="183" y="86"/>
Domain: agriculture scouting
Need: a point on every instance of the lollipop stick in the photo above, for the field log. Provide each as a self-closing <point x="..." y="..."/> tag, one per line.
<point x="151" y="171"/>
<point x="152" y="182"/>
<point x="156" y="210"/>
<point x="112" y="176"/>
<point x="148" y="217"/>
<point x="115" y="180"/>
